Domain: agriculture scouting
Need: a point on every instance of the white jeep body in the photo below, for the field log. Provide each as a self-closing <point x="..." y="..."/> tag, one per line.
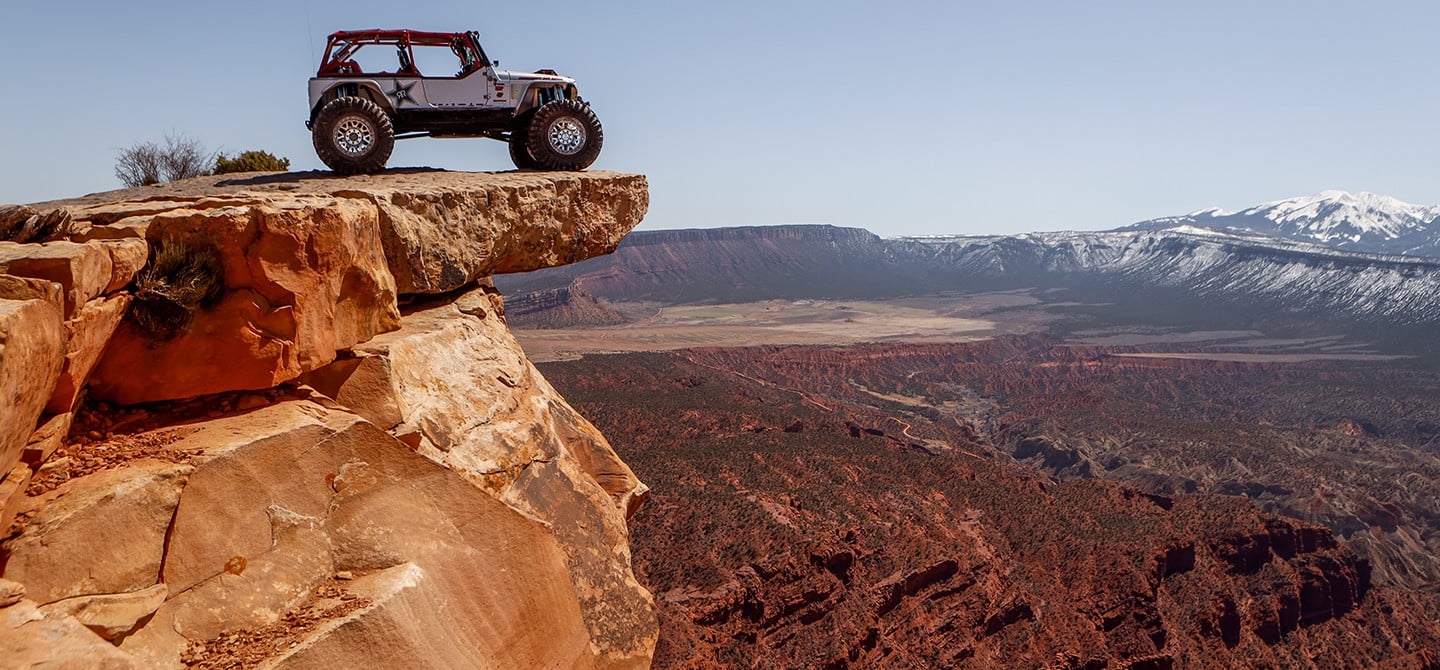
<point x="357" y="112"/>
<point x="486" y="88"/>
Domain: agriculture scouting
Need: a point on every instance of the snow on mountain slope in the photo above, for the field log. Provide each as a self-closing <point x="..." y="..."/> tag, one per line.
<point x="1339" y="219"/>
<point x="1222" y="268"/>
<point x="1291" y="275"/>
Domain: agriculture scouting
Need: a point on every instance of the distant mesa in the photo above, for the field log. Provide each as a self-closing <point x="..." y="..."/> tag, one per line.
<point x="1156" y="266"/>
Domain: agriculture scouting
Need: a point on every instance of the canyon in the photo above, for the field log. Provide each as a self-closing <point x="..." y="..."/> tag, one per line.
<point x="1021" y="503"/>
<point x="1145" y="448"/>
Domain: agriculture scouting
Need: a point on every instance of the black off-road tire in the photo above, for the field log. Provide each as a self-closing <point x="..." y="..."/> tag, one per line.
<point x="564" y="135"/>
<point x="353" y="136"/>
<point x="519" y="141"/>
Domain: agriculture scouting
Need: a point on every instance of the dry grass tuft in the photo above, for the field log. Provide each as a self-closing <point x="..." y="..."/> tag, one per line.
<point x="179" y="280"/>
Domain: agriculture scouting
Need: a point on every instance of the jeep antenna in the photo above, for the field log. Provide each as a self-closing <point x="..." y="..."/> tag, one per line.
<point x="310" y="31"/>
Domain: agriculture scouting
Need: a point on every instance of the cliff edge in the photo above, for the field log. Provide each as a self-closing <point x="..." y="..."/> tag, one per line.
<point x="277" y="420"/>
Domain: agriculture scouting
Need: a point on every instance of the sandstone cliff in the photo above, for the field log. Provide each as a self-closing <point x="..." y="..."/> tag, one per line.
<point x="279" y="421"/>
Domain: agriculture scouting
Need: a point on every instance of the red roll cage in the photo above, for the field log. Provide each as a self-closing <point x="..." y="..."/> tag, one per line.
<point x="342" y="45"/>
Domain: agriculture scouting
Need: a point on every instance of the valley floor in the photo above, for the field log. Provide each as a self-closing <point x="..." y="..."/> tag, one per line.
<point x="947" y="318"/>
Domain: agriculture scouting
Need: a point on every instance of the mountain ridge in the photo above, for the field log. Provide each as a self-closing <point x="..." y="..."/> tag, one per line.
<point x="1339" y="219"/>
<point x="791" y="262"/>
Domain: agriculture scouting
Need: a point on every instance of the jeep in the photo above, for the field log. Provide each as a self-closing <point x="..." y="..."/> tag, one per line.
<point x="356" y="114"/>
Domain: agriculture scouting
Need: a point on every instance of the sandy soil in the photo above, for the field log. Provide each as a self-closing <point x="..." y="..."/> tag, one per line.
<point x="962" y="318"/>
<point x="930" y="319"/>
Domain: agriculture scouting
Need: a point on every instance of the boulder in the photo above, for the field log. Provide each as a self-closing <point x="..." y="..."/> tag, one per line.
<point x="127" y="258"/>
<point x="82" y="270"/>
<point x="85" y="339"/>
<point x="455" y="375"/>
<point x="286" y="496"/>
<point x="12" y="494"/>
<point x="32" y="350"/>
<point x="130" y="229"/>
<point x="498" y="576"/>
<point x="20" y="223"/>
<point x="247" y="593"/>
<point x="46" y="439"/>
<point x="362" y="385"/>
<point x="32" y="638"/>
<point x="11" y="592"/>
<point x="304" y="278"/>
<point x="385" y="633"/>
<point x="13" y="219"/>
<point x="29" y="288"/>
<point x="126" y="510"/>
<point x="252" y="462"/>
<point x="114" y="615"/>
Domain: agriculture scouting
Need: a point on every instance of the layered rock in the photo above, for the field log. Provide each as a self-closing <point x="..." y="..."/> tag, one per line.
<point x="304" y="277"/>
<point x="433" y="504"/>
<point x="315" y="268"/>
<point x="31" y="355"/>
<point x="454" y="383"/>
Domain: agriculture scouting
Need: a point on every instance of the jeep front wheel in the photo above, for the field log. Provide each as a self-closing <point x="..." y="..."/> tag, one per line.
<point x="519" y="144"/>
<point x="353" y="136"/>
<point x="564" y="135"/>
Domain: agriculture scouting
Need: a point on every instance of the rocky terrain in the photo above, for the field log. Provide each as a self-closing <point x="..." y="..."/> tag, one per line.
<point x="1014" y="503"/>
<point x="279" y="421"/>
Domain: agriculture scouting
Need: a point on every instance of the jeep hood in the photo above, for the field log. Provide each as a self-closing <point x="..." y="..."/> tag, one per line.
<point x="511" y="75"/>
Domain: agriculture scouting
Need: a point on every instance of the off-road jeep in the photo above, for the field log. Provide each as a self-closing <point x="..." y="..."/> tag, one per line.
<point x="356" y="113"/>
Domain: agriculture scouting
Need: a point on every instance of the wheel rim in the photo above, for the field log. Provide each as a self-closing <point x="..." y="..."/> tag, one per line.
<point x="354" y="136"/>
<point x="567" y="136"/>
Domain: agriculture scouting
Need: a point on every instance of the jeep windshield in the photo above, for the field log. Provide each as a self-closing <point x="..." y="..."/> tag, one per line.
<point x="472" y="54"/>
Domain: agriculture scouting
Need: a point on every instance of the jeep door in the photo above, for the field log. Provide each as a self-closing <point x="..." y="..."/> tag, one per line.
<point x="472" y="90"/>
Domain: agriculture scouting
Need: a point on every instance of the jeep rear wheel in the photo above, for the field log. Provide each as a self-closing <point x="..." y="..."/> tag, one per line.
<point x="353" y="136"/>
<point x="564" y="135"/>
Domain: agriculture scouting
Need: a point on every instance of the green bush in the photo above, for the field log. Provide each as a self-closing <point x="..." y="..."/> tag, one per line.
<point x="251" y="161"/>
<point x="178" y="281"/>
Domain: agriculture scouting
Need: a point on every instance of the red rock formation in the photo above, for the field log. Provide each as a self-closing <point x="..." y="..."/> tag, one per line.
<point x="441" y="507"/>
<point x="841" y="546"/>
<point x="566" y="307"/>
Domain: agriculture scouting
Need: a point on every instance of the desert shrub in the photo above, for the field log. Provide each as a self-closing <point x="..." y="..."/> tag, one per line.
<point x="178" y="281"/>
<point x="251" y="161"/>
<point x="177" y="157"/>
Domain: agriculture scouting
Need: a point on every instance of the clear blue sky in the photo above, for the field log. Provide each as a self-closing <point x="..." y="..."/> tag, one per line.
<point x="901" y="117"/>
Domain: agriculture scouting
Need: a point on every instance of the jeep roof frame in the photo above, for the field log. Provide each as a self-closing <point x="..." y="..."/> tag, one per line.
<point x="342" y="45"/>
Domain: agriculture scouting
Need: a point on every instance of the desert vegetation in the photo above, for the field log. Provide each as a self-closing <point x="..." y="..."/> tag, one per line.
<point x="179" y="280"/>
<point x="180" y="156"/>
<point x="250" y="161"/>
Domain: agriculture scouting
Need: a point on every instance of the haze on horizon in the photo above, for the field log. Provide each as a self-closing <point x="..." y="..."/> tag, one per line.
<point x="917" y="118"/>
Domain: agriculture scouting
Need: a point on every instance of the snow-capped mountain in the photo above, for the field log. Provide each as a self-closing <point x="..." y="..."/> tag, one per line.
<point x="1222" y="267"/>
<point x="1337" y="219"/>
